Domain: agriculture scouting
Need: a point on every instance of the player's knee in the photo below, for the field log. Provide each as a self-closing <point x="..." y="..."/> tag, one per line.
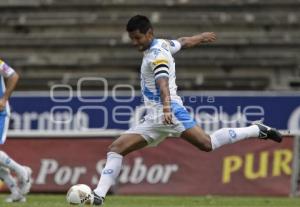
<point x="111" y="148"/>
<point x="207" y="146"/>
<point x="204" y="146"/>
<point x="115" y="147"/>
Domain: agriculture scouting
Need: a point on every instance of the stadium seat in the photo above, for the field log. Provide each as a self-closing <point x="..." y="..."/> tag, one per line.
<point x="71" y="36"/>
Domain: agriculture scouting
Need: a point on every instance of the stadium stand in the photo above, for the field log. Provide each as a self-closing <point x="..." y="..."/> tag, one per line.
<point x="52" y="41"/>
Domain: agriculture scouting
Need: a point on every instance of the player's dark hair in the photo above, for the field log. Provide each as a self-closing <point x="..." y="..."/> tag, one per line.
<point x="138" y="22"/>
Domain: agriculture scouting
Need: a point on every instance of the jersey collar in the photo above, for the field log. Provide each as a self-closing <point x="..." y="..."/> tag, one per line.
<point x="153" y="42"/>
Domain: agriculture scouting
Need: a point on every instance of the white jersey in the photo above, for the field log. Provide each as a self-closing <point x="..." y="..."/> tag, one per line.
<point x="5" y="72"/>
<point x="158" y="62"/>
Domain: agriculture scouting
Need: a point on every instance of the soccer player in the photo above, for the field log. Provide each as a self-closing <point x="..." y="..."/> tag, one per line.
<point x="165" y="111"/>
<point x="22" y="187"/>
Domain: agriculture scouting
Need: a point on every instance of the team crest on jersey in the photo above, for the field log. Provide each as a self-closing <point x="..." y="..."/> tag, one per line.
<point x="165" y="46"/>
<point x="171" y="43"/>
<point x="155" y="51"/>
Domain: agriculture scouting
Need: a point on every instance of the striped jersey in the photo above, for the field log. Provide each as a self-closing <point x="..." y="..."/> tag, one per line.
<point x="158" y="62"/>
<point x="5" y="72"/>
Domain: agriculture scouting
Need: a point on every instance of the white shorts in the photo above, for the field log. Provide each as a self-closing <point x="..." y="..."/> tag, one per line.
<point x="154" y="131"/>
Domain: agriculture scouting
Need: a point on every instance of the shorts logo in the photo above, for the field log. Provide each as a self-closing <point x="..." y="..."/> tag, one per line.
<point x="108" y="171"/>
<point x="232" y="133"/>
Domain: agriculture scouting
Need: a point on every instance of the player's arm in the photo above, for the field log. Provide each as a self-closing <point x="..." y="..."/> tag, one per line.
<point x="195" y="40"/>
<point x="163" y="85"/>
<point x="11" y="81"/>
<point x="160" y="68"/>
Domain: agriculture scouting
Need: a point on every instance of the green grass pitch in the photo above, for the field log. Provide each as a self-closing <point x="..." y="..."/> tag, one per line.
<point x="41" y="200"/>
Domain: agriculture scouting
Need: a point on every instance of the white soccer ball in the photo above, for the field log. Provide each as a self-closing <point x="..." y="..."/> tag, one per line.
<point x="79" y="194"/>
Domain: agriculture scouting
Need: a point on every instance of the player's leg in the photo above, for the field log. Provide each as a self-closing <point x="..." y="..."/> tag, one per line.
<point x="127" y="143"/>
<point x="123" y="145"/>
<point x="188" y="128"/>
<point x="202" y="141"/>
<point x="23" y="172"/>
<point x="5" y="160"/>
<point x="230" y="135"/>
<point x="198" y="138"/>
<point x="11" y="164"/>
<point x="11" y="184"/>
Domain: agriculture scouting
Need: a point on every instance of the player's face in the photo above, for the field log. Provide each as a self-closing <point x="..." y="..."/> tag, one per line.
<point x="141" y="41"/>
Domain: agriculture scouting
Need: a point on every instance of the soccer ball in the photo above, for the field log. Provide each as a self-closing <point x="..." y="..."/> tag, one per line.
<point x="79" y="194"/>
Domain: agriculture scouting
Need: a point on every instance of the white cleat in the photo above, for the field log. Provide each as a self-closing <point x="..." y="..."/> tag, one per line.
<point x="15" y="197"/>
<point x="26" y="181"/>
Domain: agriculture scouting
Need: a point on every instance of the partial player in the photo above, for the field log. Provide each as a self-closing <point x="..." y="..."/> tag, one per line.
<point x="20" y="185"/>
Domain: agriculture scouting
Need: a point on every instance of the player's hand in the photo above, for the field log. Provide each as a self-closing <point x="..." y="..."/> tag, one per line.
<point x="168" y="118"/>
<point x="2" y="104"/>
<point x="167" y="115"/>
<point x="208" y="37"/>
